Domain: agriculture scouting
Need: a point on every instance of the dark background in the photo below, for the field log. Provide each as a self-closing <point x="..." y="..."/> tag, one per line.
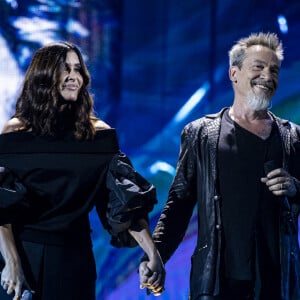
<point x="155" y="65"/>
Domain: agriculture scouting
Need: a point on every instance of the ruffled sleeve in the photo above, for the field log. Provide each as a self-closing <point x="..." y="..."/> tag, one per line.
<point x="131" y="197"/>
<point x="13" y="203"/>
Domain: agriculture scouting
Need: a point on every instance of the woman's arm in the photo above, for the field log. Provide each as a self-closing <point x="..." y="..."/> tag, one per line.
<point x="152" y="272"/>
<point x="130" y="198"/>
<point x="12" y="277"/>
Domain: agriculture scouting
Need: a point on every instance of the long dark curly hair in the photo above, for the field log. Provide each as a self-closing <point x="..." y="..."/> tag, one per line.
<point x="41" y="108"/>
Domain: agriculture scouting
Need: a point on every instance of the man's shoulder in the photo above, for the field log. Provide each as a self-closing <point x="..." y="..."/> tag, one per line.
<point x="205" y="121"/>
<point x="287" y="123"/>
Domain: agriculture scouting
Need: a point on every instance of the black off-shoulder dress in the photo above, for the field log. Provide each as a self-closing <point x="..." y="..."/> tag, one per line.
<point x="47" y="190"/>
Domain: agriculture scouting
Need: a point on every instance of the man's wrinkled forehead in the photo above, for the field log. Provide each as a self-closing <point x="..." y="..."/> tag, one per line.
<point x="263" y="54"/>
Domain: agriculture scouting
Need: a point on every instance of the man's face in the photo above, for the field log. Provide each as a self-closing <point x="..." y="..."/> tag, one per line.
<point x="257" y="80"/>
<point x="71" y="79"/>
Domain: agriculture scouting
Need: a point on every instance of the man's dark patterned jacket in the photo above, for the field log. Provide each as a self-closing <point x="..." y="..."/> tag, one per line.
<point x="196" y="183"/>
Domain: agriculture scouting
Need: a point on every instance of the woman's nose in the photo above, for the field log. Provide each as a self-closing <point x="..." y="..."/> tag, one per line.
<point x="71" y="75"/>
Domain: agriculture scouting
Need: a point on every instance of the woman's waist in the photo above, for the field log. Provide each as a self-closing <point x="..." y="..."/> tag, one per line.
<point x="54" y="236"/>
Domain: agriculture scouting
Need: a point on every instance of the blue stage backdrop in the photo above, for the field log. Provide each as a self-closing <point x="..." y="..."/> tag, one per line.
<point x="156" y="65"/>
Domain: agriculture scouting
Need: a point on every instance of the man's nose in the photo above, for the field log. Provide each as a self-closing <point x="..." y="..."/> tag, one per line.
<point x="267" y="74"/>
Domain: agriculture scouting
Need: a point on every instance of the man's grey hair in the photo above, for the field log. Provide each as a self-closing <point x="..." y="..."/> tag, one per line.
<point x="237" y="53"/>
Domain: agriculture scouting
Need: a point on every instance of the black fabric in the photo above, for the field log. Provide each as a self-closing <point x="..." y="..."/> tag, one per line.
<point x="61" y="185"/>
<point x="63" y="180"/>
<point x="234" y="290"/>
<point x="13" y="201"/>
<point x="195" y="182"/>
<point x="240" y="168"/>
<point x="131" y="198"/>
<point x="249" y="210"/>
<point x="26" y="142"/>
<point x="56" y="272"/>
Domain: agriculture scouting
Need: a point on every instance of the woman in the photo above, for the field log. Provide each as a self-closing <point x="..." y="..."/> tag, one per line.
<point x="59" y="161"/>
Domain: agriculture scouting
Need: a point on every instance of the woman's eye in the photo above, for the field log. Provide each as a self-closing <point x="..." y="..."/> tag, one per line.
<point x="65" y="69"/>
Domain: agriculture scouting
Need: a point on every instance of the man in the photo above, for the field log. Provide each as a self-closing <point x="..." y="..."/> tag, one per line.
<point x="240" y="167"/>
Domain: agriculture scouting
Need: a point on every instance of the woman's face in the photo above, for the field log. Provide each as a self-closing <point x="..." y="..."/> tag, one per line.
<point x="70" y="81"/>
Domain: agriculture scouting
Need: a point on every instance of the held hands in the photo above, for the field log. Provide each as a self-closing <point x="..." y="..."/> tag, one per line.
<point x="152" y="275"/>
<point x="12" y="280"/>
<point x="280" y="183"/>
<point x="152" y="272"/>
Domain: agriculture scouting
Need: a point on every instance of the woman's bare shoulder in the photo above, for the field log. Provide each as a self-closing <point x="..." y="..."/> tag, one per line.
<point x="100" y="125"/>
<point x="13" y="124"/>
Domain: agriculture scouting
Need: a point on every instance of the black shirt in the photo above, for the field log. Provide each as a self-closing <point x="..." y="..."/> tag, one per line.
<point x="249" y="211"/>
<point x="64" y="179"/>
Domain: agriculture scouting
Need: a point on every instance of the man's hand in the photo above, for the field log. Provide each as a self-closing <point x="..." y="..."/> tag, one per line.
<point x="280" y="183"/>
<point x="152" y="280"/>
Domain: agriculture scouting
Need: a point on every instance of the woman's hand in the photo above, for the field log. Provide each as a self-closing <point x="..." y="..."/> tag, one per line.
<point x="12" y="276"/>
<point x="152" y="275"/>
<point x="12" y="279"/>
<point x="152" y="272"/>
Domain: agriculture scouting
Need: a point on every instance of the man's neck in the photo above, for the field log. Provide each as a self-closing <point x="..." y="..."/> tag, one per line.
<point x="257" y="122"/>
<point x="248" y="115"/>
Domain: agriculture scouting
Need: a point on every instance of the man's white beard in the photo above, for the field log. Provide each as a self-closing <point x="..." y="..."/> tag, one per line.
<point x="258" y="103"/>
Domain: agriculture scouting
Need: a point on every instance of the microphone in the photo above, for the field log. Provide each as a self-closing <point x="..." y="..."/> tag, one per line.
<point x="27" y="295"/>
<point x="269" y="166"/>
<point x="288" y="220"/>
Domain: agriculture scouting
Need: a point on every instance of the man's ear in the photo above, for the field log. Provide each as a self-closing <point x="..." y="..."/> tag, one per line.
<point x="232" y="73"/>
